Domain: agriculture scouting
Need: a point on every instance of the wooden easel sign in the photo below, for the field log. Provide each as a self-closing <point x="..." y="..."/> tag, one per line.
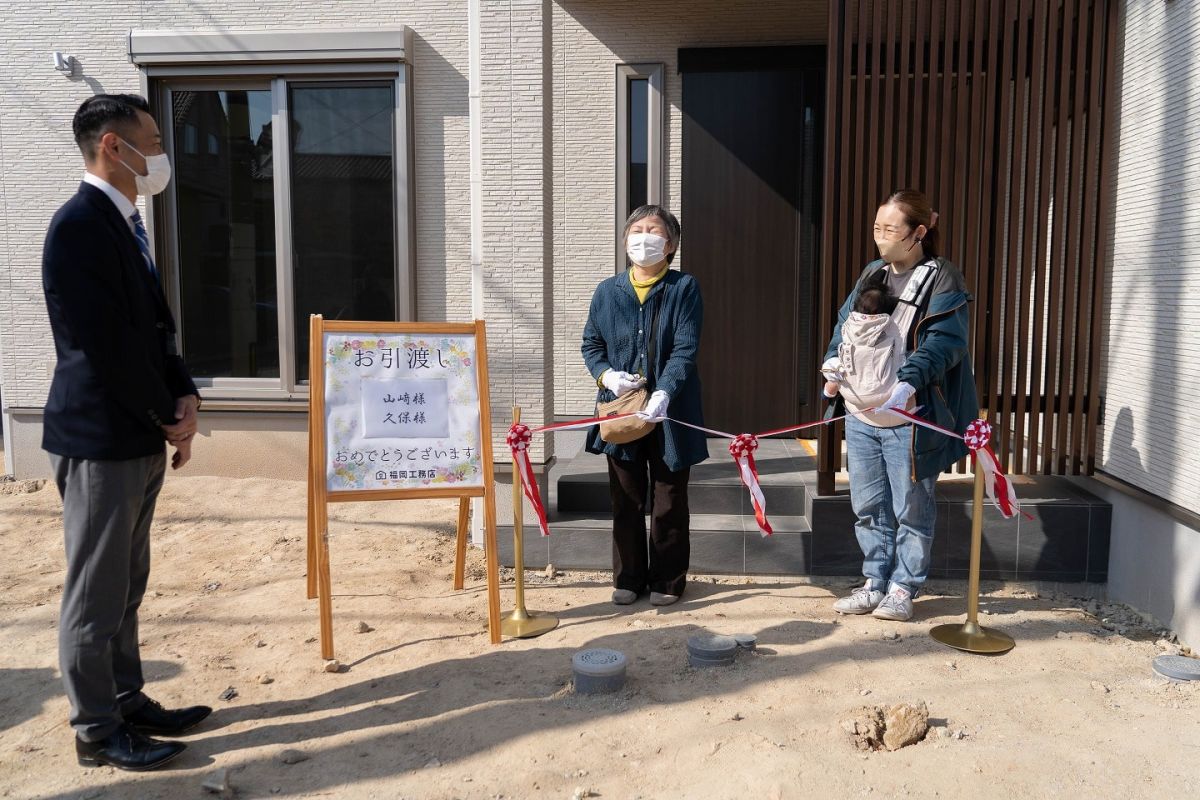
<point x="398" y="411"/>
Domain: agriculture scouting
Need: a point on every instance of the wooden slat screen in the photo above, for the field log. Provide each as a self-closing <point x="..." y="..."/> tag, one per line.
<point x="1000" y="112"/>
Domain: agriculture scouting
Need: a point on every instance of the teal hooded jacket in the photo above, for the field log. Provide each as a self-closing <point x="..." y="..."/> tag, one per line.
<point x="938" y="367"/>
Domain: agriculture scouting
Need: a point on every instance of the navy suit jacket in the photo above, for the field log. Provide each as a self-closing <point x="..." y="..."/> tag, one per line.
<point x="117" y="375"/>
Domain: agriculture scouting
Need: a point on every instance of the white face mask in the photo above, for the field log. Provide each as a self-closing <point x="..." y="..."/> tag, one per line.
<point x="645" y="249"/>
<point x="158" y="172"/>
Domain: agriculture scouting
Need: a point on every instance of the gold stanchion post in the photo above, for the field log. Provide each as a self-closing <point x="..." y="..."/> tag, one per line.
<point x="520" y="623"/>
<point x="971" y="636"/>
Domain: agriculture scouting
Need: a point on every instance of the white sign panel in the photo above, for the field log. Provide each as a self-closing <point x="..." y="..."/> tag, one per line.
<point x="401" y="411"/>
<point x="405" y="409"/>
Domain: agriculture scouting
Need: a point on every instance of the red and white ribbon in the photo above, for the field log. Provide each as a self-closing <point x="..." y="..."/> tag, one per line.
<point x="742" y="449"/>
<point x="977" y="439"/>
<point x="999" y="488"/>
<point x="519" y="437"/>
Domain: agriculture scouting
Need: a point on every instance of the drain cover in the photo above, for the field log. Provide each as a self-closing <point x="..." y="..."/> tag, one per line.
<point x="598" y="670"/>
<point x="701" y="663"/>
<point x="706" y="650"/>
<point x="1180" y="668"/>
<point x="704" y="645"/>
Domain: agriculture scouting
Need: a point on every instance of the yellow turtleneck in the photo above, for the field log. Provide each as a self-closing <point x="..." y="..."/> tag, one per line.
<point x="642" y="288"/>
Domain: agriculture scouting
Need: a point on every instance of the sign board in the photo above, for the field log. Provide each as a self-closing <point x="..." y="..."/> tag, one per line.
<point x="398" y="411"/>
<point x="401" y="411"/>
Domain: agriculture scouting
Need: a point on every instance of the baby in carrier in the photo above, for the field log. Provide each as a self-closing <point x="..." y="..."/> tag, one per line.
<point x="871" y="352"/>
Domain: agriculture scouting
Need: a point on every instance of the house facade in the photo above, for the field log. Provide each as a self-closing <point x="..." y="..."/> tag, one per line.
<point x="474" y="159"/>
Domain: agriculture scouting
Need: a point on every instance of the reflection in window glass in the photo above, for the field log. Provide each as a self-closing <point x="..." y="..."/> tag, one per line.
<point x="225" y="223"/>
<point x="343" y="205"/>
<point x="639" y="141"/>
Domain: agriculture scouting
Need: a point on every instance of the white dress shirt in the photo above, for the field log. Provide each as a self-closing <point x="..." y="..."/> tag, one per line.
<point x="119" y="200"/>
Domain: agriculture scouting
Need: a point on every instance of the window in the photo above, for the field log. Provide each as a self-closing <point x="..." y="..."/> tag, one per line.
<point x="291" y="195"/>
<point x="638" y="132"/>
<point x="639" y="143"/>
<point x="224" y="225"/>
<point x="343" y="204"/>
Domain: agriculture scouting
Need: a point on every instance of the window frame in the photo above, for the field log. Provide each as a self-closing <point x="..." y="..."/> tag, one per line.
<point x="655" y="172"/>
<point x="207" y="61"/>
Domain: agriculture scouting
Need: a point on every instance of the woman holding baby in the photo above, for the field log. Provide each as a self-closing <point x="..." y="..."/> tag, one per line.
<point x="900" y="343"/>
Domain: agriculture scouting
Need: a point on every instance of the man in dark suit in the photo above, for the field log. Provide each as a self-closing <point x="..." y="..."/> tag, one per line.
<point x="120" y="393"/>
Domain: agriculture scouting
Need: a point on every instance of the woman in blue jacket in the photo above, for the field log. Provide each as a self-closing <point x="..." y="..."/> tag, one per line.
<point x="893" y="464"/>
<point x="643" y="329"/>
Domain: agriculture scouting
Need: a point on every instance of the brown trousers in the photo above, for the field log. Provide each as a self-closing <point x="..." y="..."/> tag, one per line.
<point x="662" y="566"/>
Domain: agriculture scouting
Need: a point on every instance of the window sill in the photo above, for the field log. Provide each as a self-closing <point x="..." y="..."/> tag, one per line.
<point x="298" y="405"/>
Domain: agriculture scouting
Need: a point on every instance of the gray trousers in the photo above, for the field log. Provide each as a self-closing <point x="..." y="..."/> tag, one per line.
<point x="107" y="510"/>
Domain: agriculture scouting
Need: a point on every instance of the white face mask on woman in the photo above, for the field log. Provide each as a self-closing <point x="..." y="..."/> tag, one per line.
<point x="645" y="249"/>
<point x="158" y="172"/>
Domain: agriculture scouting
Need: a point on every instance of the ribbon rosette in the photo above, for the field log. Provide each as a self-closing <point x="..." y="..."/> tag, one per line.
<point x="742" y="449"/>
<point x="999" y="488"/>
<point x="977" y="437"/>
<point x="519" y="437"/>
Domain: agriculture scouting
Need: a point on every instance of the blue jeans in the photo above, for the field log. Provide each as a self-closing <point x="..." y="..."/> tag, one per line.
<point x="895" y="513"/>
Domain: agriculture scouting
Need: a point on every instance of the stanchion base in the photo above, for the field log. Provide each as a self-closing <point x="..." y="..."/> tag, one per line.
<point x="522" y="624"/>
<point x="973" y="638"/>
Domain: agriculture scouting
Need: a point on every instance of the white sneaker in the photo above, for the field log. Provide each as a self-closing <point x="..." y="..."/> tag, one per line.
<point x="862" y="601"/>
<point x="897" y="606"/>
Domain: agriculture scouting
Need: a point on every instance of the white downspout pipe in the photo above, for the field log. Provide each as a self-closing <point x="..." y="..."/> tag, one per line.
<point x="475" y="137"/>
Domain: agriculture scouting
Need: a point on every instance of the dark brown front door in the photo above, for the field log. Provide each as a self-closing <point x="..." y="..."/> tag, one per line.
<point x="752" y="128"/>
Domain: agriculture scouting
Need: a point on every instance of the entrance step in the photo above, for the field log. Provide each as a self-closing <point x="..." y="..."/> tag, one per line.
<point x="714" y="486"/>
<point x="1067" y="540"/>
<point x="721" y="544"/>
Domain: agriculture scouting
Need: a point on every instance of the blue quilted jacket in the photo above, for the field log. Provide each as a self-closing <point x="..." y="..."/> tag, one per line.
<point x="617" y="336"/>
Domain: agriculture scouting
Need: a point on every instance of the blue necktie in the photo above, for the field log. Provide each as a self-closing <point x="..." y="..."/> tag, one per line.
<point x="143" y="241"/>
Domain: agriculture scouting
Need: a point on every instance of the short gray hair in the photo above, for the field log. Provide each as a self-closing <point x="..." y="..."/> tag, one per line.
<point x="668" y="220"/>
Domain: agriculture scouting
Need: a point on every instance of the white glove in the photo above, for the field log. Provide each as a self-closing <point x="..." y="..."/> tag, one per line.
<point x="620" y="383"/>
<point x="900" y="397"/>
<point x="656" y="408"/>
<point x="832" y="370"/>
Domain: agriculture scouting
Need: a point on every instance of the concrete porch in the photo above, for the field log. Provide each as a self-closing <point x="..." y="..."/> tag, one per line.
<point x="1066" y="541"/>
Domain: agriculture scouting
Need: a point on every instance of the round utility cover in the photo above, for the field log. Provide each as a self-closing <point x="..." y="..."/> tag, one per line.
<point x="698" y="662"/>
<point x="1180" y="668"/>
<point x="598" y="662"/>
<point x="704" y="645"/>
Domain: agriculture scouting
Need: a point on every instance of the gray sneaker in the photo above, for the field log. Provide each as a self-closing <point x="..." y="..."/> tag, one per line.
<point x="897" y="606"/>
<point x="862" y="601"/>
<point x="624" y="597"/>
<point x="662" y="599"/>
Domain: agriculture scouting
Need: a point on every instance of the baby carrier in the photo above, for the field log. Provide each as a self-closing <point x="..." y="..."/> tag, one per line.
<point x="871" y="353"/>
<point x="874" y="347"/>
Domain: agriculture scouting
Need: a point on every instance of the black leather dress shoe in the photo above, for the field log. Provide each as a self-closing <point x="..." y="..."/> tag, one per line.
<point x="127" y="749"/>
<point x="153" y="719"/>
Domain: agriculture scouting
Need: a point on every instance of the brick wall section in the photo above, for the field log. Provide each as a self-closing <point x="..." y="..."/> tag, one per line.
<point x="1151" y="377"/>
<point x="590" y="38"/>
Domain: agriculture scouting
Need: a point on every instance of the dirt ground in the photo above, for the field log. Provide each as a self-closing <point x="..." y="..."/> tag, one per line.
<point x="427" y="708"/>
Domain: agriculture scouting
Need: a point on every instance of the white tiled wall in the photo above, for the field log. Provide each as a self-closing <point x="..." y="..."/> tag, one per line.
<point x="1151" y="378"/>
